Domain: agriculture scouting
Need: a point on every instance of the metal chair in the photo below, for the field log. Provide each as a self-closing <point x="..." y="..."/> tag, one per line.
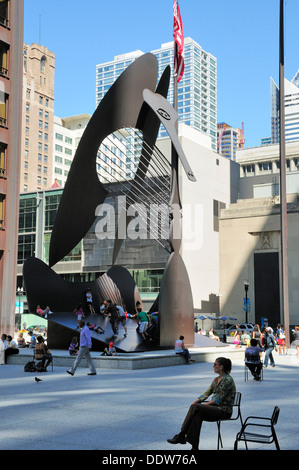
<point x="246" y="372"/>
<point x="234" y="417"/>
<point x="257" y="422"/>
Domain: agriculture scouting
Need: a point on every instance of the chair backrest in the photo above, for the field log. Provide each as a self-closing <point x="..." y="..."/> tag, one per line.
<point x="237" y="404"/>
<point x="275" y="415"/>
<point x="237" y="400"/>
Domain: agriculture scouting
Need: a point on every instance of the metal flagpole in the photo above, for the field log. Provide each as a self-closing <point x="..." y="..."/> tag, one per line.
<point x="283" y="202"/>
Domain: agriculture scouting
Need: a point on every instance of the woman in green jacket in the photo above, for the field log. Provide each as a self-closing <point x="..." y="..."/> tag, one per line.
<point x="222" y="392"/>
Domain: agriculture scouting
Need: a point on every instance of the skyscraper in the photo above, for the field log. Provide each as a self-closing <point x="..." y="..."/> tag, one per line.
<point x="197" y="90"/>
<point x="291" y="103"/>
<point x="11" y="44"/>
<point x="38" y="117"/>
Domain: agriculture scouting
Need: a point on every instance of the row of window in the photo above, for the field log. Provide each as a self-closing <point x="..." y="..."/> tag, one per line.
<point x="4" y="72"/>
<point x="267" y="166"/>
<point x="67" y="139"/>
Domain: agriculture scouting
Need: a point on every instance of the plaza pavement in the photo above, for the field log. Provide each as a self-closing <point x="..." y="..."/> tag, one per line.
<point x="136" y="410"/>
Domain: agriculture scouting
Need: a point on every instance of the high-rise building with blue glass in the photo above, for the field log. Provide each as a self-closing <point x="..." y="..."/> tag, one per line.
<point x="291" y="108"/>
<point x="197" y="90"/>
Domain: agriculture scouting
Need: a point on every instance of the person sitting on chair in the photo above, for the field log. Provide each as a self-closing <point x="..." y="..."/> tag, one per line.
<point x="220" y="405"/>
<point x="42" y="352"/>
<point x="253" y="359"/>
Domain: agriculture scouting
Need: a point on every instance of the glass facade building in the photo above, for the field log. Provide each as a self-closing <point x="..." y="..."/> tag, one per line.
<point x="197" y="90"/>
<point x="291" y="103"/>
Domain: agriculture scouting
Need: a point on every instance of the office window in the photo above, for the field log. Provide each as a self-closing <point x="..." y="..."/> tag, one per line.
<point x="3" y="109"/>
<point x="2" y="202"/>
<point x="51" y="207"/>
<point x="26" y="247"/>
<point x="27" y="214"/>
<point x="3" y="148"/>
<point x="4" y="59"/>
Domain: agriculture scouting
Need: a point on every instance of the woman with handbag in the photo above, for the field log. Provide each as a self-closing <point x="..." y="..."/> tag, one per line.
<point x="280" y="338"/>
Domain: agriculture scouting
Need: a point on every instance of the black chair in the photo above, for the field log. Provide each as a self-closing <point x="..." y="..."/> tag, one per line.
<point x="234" y="417"/>
<point x="257" y="422"/>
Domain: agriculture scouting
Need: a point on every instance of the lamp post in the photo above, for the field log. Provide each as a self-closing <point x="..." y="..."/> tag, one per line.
<point x="19" y="295"/>
<point x="246" y="286"/>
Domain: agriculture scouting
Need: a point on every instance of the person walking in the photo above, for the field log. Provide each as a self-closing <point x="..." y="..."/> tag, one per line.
<point x="85" y="345"/>
<point x="269" y="346"/>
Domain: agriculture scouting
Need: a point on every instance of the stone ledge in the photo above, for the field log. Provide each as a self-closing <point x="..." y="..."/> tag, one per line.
<point x="134" y="361"/>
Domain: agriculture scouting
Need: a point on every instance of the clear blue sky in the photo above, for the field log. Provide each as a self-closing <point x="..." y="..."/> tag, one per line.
<point x="242" y="34"/>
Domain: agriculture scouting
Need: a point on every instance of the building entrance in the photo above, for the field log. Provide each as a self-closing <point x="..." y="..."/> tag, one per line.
<point x="266" y="288"/>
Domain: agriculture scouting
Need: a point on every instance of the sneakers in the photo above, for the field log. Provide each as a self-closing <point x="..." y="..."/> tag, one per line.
<point x="69" y="372"/>
<point x="92" y="373"/>
<point x="177" y="439"/>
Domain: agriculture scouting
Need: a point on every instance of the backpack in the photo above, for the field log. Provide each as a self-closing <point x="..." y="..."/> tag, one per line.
<point x="30" y="367"/>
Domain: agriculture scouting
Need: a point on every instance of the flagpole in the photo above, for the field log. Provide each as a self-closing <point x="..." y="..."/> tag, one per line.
<point x="283" y="201"/>
<point x="177" y="31"/>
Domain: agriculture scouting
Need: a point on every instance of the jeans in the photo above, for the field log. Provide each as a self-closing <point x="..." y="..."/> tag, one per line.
<point x="269" y="355"/>
<point x="185" y="353"/>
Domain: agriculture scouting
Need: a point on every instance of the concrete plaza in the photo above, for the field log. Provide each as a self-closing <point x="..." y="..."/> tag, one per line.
<point x="136" y="410"/>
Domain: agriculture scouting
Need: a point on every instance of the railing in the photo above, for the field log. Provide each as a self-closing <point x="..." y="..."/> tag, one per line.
<point x="3" y="122"/>
<point x="4" y="22"/>
<point x="3" y="71"/>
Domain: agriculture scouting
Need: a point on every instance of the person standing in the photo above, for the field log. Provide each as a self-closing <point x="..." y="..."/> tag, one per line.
<point x="113" y="311"/>
<point x="280" y="338"/>
<point x="122" y="319"/>
<point x="85" y="345"/>
<point x="143" y="321"/>
<point x="295" y="341"/>
<point x="269" y="346"/>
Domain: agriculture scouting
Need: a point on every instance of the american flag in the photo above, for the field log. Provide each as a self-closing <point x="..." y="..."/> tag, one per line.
<point x="178" y="34"/>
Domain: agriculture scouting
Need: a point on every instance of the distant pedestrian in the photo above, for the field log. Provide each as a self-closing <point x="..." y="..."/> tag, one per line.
<point x="89" y="301"/>
<point x="113" y="311"/>
<point x="79" y="313"/>
<point x="295" y="341"/>
<point x="181" y="350"/>
<point x="256" y="334"/>
<point x="280" y="338"/>
<point x="269" y="346"/>
<point x="85" y="345"/>
<point x="122" y="318"/>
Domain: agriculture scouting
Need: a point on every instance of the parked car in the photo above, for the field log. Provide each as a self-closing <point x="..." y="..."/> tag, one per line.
<point x="248" y="327"/>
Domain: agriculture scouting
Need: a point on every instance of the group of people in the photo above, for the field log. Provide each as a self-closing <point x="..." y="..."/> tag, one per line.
<point x="7" y="346"/>
<point x="265" y="341"/>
